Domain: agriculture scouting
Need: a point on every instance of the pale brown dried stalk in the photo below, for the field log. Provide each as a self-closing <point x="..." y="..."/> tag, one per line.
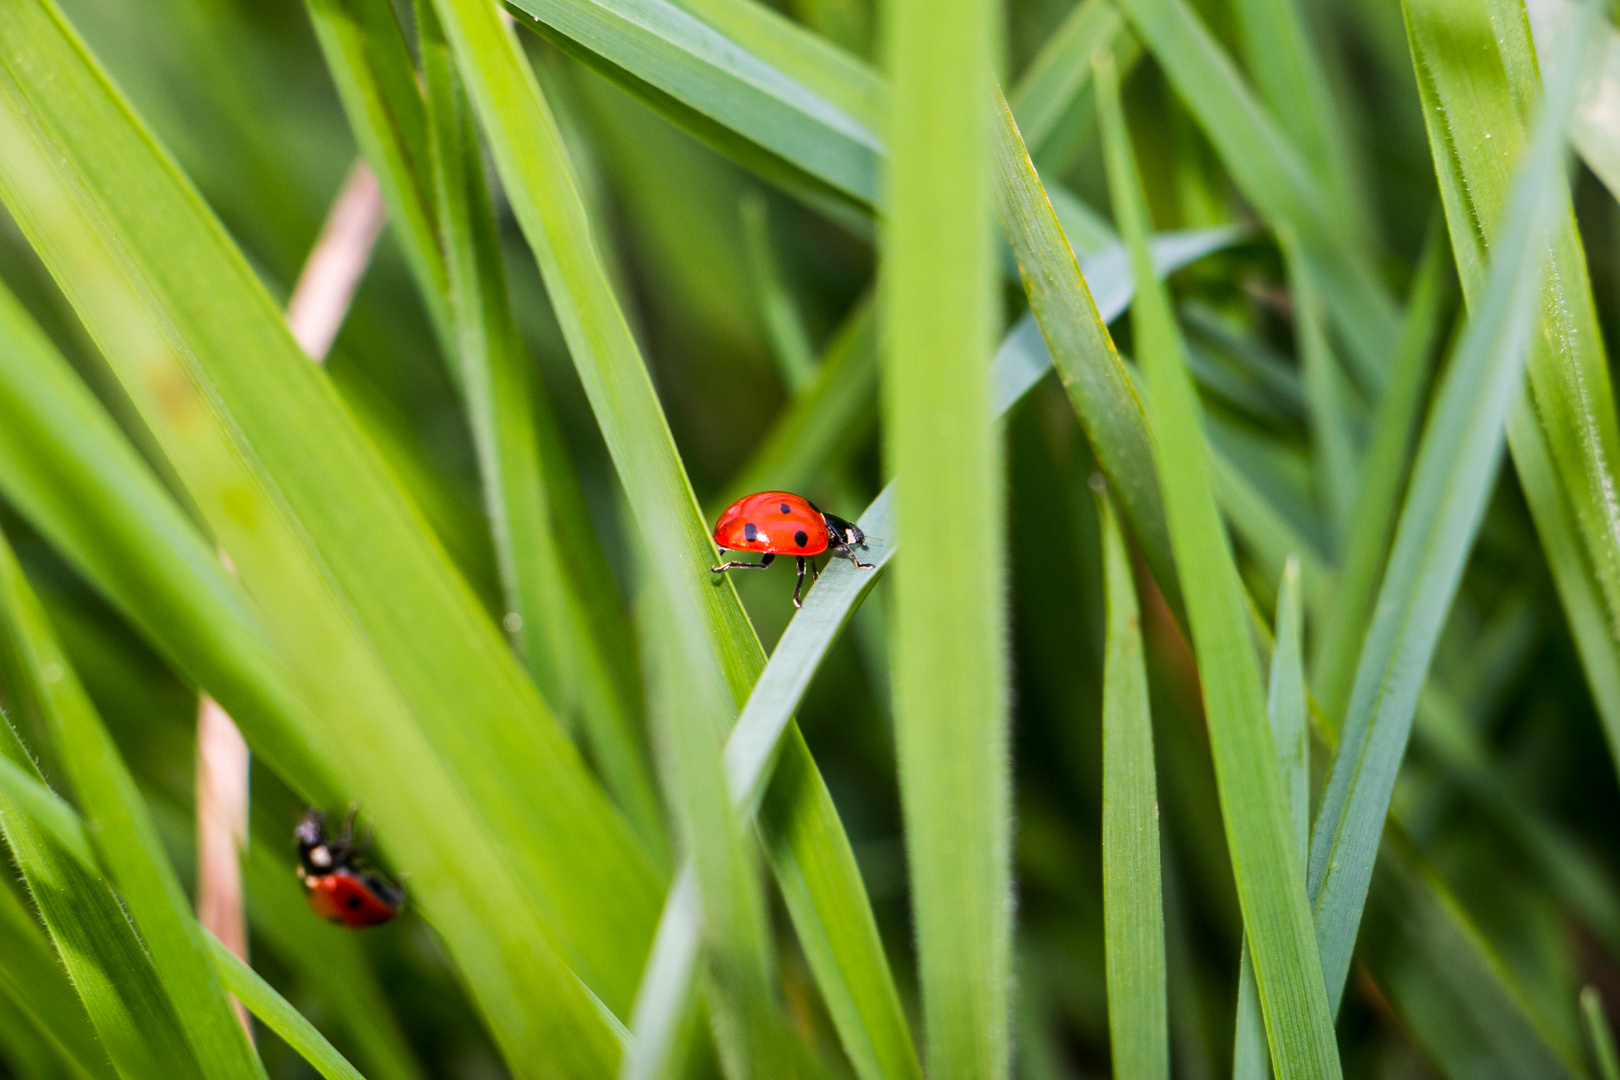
<point x="320" y="301"/>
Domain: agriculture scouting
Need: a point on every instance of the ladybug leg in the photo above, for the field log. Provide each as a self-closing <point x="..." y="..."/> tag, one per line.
<point x="799" y="584"/>
<point x="815" y="571"/>
<point x="764" y="561"/>
<point x="856" y="559"/>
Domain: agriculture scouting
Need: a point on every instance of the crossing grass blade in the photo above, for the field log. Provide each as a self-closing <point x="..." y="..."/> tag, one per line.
<point x="1133" y="908"/>
<point x="34" y="984"/>
<point x="804" y="840"/>
<point x="355" y="598"/>
<point x="262" y="1001"/>
<point x="1343" y="622"/>
<point x="1563" y="432"/>
<point x="1270" y="880"/>
<point x="40" y="679"/>
<point x="1600" y="1034"/>
<point x="1270" y="171"/>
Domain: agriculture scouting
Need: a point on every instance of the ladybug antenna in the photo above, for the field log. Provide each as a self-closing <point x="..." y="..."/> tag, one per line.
<point x="347" y="836"/>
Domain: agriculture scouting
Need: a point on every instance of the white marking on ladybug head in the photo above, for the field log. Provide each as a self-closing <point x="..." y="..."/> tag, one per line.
<point x="320" y="856"/>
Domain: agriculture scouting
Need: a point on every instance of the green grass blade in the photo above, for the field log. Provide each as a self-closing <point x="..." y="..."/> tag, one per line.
<point x="1270" y="879"/>
<point x="34" y="983"/>
<point x="262" y="1001"/>
<point x="1602" y="1036"/>
<point x="805" y="842"/>
<point x="949" y="639"/>
<point x="407" y="673"/>
<point x="1593" y="130"/>
<point x="1133" y="909"/>
<point x="1563" y="433"/>
<point x="677" y="59"/>
<point x="1327" y="401"/>
<point x="1451" y="481"/>
<point x="1383" y="475"/>
<point x="1269" y="170"/>
<point x="121" y="831"/>
<point x="790" y="340"/>
<point x="1053" y="101"/>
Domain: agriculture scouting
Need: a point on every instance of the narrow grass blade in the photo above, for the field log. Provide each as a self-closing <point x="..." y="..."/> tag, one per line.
<point x="666" y="986"/>
<point x="1601" y="1034"/>
<point x="809" y="852"/>
<point x="1271" y="173"/>
<point x="1053" y="101"/>
<point x="33" y="982"/>
<point x="121" y="831"/>
<point x="1253" y="802"/>
<point x="1285" y="708"/>
<point x="1327" y="401"/>
<point x="949" y="640"/>
<point x="262" y="1000"/>
<point x="382" y="639"/>
<point x="1133" y="908"/>
<point x="1563" y="431"/>
<point x="1451" y="481"/>
<point x="790" y="340"/>
<point x="1343" y="622"/>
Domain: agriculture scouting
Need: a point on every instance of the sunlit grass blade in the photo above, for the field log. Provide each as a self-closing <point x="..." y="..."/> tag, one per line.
<point x="262" y="1000"/>
<point x="1452" y="478"/>
<point x="1052" y="101"/>
<point x="33" y="982"/>
<point x="949" y="638"/>
<point x="1343" y="623"/>
<point x="39" y="678"/>
<point x="1133" y="909"/>
<point x="1269" y="170"/>
<point x="1563" y="432"/>
<point x="809" y="852"/>
<point x="1593" y="130"/>
<point x="1271" y="887"/>
<point x="363" y="610"/>
<point x="1600" y="1034"/>
<point x="1285" y="709"/>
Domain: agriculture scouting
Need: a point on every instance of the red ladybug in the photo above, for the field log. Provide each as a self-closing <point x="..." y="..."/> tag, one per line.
<point x="342" y="888"/>
<point x="778" y="523"/>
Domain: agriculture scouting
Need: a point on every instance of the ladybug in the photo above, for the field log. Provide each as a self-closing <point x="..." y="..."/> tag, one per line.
<point x="341" y="886"/>
<point x="778" y="523"/>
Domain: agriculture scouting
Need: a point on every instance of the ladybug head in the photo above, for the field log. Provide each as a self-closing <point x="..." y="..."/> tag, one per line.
<point x="843" y="535"/>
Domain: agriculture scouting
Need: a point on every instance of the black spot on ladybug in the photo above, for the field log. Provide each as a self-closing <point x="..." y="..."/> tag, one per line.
<point x="800" y="539"/>
<point x="786" y="509"/>
<point x="353" y="902"/>
<point x="750" y="531"/>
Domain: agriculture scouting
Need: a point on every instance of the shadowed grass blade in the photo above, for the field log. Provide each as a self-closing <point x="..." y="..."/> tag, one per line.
<point x="1133" y="908"/>
<point x="1253" y="802"/>
<point x="41" y="680"/>
<point x="1451" y="481"/>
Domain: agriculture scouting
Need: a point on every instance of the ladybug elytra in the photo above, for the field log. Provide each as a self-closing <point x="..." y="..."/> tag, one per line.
<point x="779" y="523"/>
<point x="340" y="884"/>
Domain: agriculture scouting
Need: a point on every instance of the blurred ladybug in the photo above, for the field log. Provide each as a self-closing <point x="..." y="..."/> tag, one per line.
<point x="777" y="523"/>
<point x="341" y="886"/>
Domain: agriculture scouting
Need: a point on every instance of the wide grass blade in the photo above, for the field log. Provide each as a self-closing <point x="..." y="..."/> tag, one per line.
<point x="382" y="639"/>
<point x="1270" y="879"/>
<point x="1451" y="481"/>
<point x="41" y="681"/>
<point x="809" y="852"/>
<point x="1563" y="432"/>
<point x="1133" y="907"/>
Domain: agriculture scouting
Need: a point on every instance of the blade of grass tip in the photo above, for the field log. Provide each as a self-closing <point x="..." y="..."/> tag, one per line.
<point x="33" y="981"/>
<point x="545" y="620"/>
<point x="1333" y="452"/>
<point x="103" y="957"/>
<point x="1133" y="910"/>
<point x="1053" y="96"/>
<point x="122" y="833"/>
<point x="287" y="1022"/>
<point x="1600" y="1033"/>
<point x="949" y="639"/>
<point x="1285" y="708"/>
<point x="1270" y="880"/>
<point x="1563" y="432"/>
<point x="1343" y="622"/>
<point x="808" y="849"/>
<point x="1092" y="372"/>
<point x="1451" y="481"/>
<point x="1272" y="175"/>
<point x="790" y="341"/>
